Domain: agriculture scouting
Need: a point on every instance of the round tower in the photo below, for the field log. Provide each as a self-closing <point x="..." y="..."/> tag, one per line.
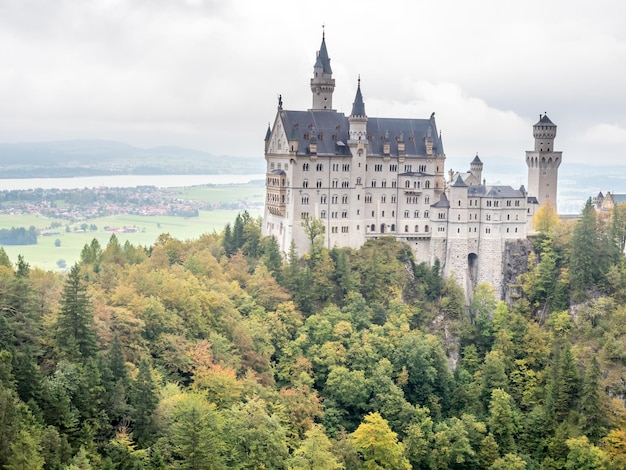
<point x="543" y="162"/>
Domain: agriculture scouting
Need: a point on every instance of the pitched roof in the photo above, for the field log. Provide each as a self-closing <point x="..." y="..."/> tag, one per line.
<point x="332" y="128"/>
<point x="323" y="60"/>
<point x="442" y="202"/>
<point x="459" y="183"/>
<point x="494" y="191"/>
<point x="544" y="120"/>
<point x="358" y="107"/>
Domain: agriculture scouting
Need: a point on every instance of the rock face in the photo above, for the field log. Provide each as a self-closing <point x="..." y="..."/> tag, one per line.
<point x="514" y="263"/>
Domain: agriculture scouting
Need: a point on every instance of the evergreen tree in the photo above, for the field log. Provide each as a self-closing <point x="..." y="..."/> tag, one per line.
<point x="272" y="257"/>
<point x="564" y="383"/>
<point x="255" y="438"/>
<point x="117" y="360"/>
<point x="502" y="420"/>
<point x="588" y="254"/>
<point x="75" y="336"/>
<point x="227" y="241"/>
<point x="593" y="419"/>
<point x="196" y="434"/>
<point x="4" y="259"/>
<point x="144" y="400"/>
<point x="238" y="232"/>
<point x="25" y="453"/>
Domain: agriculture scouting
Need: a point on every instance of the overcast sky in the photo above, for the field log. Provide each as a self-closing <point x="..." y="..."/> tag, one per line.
<point x="206" y="74"/>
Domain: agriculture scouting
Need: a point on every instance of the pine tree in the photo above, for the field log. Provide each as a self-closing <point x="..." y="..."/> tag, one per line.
<point x="271" y="257"/>
<point x="227" y="241"/>
<point x="4" y="259"/>
<point x="117" y="361"/>
<point x="75" y="335"/>
<point x="144" y="400"/>
<point x="25" y="453"/>
<point x="592" y="416"/>
<point x="563" y="384"/>
<point x="502" y="420"/>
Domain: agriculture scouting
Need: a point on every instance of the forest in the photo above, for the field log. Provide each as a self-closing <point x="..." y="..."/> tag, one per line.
<point x="217" y="353"/>
<point x="18" y="236"/>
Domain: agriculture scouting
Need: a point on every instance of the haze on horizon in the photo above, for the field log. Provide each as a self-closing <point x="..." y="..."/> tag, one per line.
<point x="206" y="74"/>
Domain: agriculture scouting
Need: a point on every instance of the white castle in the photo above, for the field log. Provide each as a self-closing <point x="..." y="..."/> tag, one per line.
<point x="367" y="177"/>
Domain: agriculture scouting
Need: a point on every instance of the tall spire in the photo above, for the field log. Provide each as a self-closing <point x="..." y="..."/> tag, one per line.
<point x="358" y="107"/>
<point x="322" y="83"/>
<point x="323" y="60"/>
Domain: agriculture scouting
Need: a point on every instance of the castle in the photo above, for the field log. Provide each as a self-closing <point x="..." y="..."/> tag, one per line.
<point x="367" y="177"/>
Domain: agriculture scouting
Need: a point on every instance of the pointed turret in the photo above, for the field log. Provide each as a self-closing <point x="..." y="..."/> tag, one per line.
<point x="358" y="118"/>
<point x="358" y="107"/>
<point x="322" y="83"/>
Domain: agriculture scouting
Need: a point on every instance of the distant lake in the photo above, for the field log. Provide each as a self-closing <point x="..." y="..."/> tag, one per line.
<point x="125" y="181"/>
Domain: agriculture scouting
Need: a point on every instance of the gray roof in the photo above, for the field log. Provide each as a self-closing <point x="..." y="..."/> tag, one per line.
<point x="476" y="160"/>
<point x="544" y="120"/>
<point x="459" y="182"/>
<point x="493" y="191"/>
<point x="268" y="133"/>
<point x="323" y="60"/>
<point x="443" y="202"/>
<point x="358" y="107"/>
<point x="278" y="172"/>
<point x="331" y="129"/>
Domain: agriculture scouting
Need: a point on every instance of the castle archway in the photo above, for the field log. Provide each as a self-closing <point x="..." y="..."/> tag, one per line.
<point x="472" y="267"/>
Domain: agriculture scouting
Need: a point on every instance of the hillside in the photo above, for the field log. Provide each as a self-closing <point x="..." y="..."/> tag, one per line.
<point x="216" y="353"/>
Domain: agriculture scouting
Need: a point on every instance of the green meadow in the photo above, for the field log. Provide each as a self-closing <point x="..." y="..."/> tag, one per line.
<point x="46" y="254"/>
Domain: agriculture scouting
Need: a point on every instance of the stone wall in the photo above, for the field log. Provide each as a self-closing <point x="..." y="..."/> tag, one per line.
<point x="514" y="263"/>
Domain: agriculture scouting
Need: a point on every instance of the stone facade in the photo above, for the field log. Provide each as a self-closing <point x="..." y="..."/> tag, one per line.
<point x="365" y="177"/>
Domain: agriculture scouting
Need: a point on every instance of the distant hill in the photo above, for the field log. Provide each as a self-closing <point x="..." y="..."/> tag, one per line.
<point x="103" y="157"/>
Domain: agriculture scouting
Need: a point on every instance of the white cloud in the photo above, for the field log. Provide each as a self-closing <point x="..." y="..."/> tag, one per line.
<point x="604" y="134"/>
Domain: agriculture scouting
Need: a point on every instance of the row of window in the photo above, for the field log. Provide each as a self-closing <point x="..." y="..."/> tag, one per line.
<point x="373" y="184"/>
<point x="490" y="203"/>
<point x="320" y="166"/>
<point x="279" y="166"/>
<point x="416" y="200"/>
<point x="274" y="198"/>
<point x="378" y="167"/>
<point x="273" y="181"/>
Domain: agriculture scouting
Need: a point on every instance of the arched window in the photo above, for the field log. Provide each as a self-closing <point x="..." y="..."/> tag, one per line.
<point x="406" y="228"/>
<point x="373" y="228"/>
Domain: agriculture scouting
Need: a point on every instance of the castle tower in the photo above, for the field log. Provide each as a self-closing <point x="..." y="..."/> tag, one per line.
<point x="543" y="162"/>
<point x="476" y="169"/>
<point x="322" y="83"/>
<point x="357" y="144"/>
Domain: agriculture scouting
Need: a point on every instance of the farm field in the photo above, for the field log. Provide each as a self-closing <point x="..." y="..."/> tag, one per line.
<point x="45" y="254"/>
<point x="141" y="230"/>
